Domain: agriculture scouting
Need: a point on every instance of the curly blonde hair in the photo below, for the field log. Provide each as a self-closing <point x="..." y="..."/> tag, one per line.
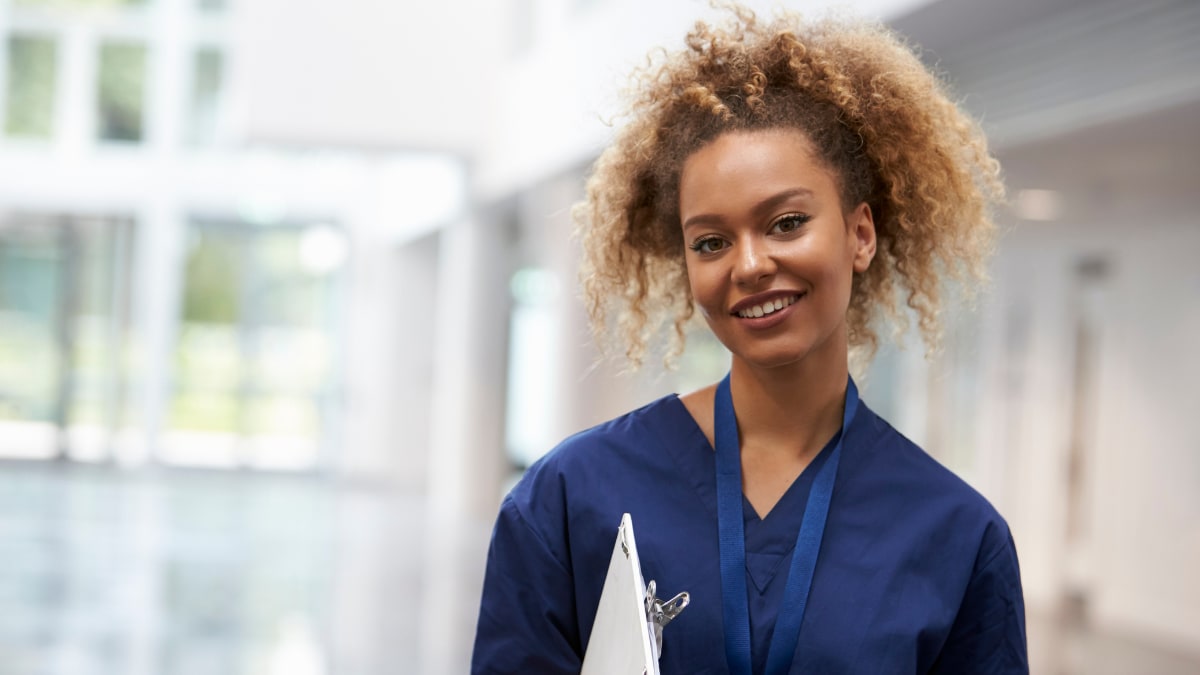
<point x="875" y="116"/>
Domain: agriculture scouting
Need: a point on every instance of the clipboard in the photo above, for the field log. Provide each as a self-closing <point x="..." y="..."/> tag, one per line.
<point x="626" y="636"/>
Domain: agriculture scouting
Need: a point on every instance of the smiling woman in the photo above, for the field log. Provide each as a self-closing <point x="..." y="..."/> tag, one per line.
<point x="764" y="224"/>
<point x="785" y="179"/>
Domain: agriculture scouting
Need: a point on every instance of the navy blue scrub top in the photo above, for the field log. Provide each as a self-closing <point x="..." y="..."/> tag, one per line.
<point x="917" y="572"/>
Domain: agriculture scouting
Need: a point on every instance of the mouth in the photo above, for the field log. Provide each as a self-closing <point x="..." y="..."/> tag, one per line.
<point x="767" y="307"/>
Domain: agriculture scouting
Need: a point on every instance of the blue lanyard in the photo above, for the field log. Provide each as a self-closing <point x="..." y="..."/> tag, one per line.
<point x="732" y="542"/>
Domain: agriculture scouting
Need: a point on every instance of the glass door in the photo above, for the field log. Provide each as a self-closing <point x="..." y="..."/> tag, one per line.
<point x="64" y="334"/>
<point x="255" y="363"/>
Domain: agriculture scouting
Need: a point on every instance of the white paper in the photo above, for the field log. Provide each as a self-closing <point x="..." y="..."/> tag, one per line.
<point x="620" y="643"/>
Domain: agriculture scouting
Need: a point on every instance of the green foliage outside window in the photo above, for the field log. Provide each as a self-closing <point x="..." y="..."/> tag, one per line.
<point x="121" y="91"/>
<point x="254" y="355"/>
<point x="207" y="74"/>
<point x="213" y="278"/>
<point x="32" y="66"/>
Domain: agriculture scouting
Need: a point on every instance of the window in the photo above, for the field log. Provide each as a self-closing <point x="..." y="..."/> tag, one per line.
<point x="30" y="281"/>
<point x="120" y="92"/>
<point x="255" y="371"/>
<point x="208" y="72"/>
<point x="533" y="354"/>
<point x="64" y="334"/>
<point x="32" y="71"/>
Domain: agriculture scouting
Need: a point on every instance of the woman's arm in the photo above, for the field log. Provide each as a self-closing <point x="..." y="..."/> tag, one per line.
<point x="988" y="635"/>
<point x="527" y="618"/>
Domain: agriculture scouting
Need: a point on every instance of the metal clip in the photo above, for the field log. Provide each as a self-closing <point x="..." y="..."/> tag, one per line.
<point x="659" y="613"/>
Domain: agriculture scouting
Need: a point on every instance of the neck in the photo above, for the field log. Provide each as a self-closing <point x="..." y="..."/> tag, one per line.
<point x="793" y="409"/>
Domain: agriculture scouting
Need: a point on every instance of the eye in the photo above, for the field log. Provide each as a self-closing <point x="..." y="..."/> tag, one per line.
<point x="790" y="223"/>
<point x="708" y="245"/>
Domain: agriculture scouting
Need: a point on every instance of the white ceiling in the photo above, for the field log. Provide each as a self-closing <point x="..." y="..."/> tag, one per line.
<point x="1126" y="178"/>
<point x="1158" y="153"/>
<point x="945" y="26"/>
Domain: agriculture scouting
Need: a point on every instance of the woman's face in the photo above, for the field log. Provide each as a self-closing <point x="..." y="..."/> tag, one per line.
<point x="771" y="253"/>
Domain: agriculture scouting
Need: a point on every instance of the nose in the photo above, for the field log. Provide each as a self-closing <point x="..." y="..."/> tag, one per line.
<point x="753" y="262"/>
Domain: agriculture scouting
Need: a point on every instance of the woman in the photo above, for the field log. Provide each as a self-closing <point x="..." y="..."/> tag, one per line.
<point x="787" y="180"/>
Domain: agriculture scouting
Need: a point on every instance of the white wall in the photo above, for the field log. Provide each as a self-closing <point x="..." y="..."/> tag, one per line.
<point x="376" y="74"/>
<point x="1142" y="510"/>
<point x="1126" y="197"/>
<point x="453" y="76"/>
<point x="1147" y="497"/>
<point x="552" y="102"/>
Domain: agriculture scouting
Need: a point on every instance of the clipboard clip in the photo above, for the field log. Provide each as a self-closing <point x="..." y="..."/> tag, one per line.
<point x="659" y="613"/>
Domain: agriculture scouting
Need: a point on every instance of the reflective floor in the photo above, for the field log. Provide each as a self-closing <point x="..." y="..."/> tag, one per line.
<point x="201" y="573"/>
<point x="191" y="573"/>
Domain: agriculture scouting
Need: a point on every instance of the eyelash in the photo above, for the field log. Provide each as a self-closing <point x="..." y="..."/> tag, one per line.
<point x="699" y="244"/>
<point x="797" y="220"/>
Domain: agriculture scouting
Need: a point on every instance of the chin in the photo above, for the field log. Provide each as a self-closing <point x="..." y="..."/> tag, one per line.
<point x="768" y="359"/>
<point x="805" y="350"/>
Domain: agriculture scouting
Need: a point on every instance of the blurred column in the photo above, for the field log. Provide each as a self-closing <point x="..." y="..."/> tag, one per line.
<point x="581" y="403"/>
<point x="75" y="111"/>
<point x="388" y="368"/>
<point x="384" y="449"/>
<point x="466" y="459"/>
<point x="159" y="261"/>
<point x="167" y="60"/>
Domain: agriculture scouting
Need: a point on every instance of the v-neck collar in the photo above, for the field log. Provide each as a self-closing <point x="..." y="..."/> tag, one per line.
<point x="769" y="540"/>
<point x="795" y="498"/>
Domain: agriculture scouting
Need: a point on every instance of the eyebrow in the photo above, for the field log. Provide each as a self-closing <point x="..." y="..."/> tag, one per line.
<point x="764" y="206"/>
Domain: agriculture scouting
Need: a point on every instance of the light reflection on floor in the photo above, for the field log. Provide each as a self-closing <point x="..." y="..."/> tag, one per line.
<point x="182" y="573"/>
<point x="165" y="572"/>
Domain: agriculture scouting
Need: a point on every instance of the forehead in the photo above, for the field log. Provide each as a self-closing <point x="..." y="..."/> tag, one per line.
<point x="748" y="165"/>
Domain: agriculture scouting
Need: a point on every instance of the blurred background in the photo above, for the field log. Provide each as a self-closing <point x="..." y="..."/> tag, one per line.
<point x="288" y="300"/>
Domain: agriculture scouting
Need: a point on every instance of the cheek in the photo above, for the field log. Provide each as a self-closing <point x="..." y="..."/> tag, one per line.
<point x="695" y="280"/>
<point x="706" y="293"/>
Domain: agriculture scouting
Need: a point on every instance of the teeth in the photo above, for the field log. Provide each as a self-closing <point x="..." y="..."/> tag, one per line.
<point x="766" y="308"/>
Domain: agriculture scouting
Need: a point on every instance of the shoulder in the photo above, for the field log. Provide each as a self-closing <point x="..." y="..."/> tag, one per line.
<point x="617" y="439"/>
<point x="620" y="448"/>
<point x="933" y="522"/>
<point x="903" y="478"/>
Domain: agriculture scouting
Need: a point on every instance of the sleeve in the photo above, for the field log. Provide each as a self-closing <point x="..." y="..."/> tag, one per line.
<point x="527" y="615"/>
<point x="988" y="635"/>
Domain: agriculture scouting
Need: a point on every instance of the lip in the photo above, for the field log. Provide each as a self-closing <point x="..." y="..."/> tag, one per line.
<point x="767" y="320"/>
<point x="759" y="298"/>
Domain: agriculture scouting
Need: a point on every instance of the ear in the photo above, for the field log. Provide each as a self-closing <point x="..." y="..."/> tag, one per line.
<point x="862" y="227"/>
